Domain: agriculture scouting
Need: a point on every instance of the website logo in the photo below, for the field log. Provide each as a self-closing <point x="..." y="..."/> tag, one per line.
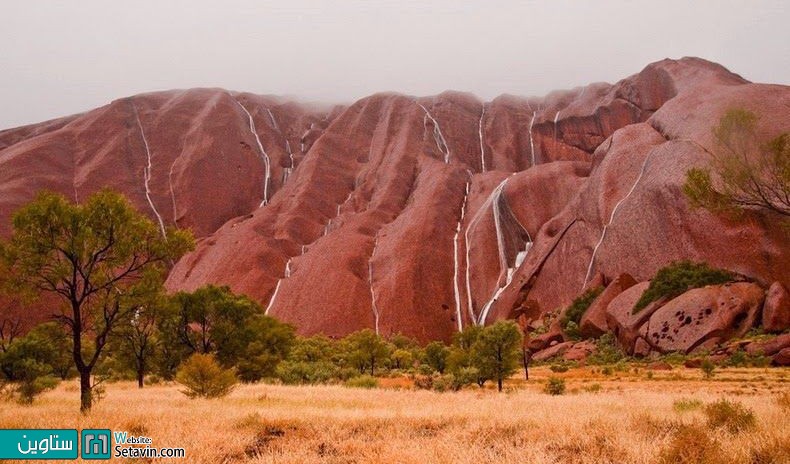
<point x="96" y="444"/>
<point x="38" y="444"/>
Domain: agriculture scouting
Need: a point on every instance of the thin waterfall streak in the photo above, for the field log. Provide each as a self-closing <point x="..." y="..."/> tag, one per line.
<point x="441" y="143"/>
<point x="556" y="118"/>
<point x="274" y="297"/>
<point x="373" y="306"/>
<point x="480" y="133"/>
<point x="172" y="193"/>
<point x="456" y="288"/>
<point x="611" y="218"/>
<point x="531" y="141"/>
<point x="263" y="154"/>
<point x="147" y="173"/>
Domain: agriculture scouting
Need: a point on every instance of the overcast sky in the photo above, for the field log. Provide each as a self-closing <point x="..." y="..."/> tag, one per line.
<point x="63" y="57"/>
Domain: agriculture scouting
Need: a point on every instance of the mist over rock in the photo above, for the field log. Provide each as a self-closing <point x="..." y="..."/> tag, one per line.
<point x="419" y="215"/>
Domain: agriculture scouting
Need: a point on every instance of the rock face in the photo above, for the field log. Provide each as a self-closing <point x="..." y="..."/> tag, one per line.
<point x="418" y="215"/>
<point x="593" y="322"/>
<point x="703" y="317"/>
<point x="776" y="312"/>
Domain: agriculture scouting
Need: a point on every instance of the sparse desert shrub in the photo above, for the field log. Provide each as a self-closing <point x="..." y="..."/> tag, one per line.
<point x="607" y="351"/>
<point x="741" y="358"/>
<point x="691" y="444"/>
<point x="423" y="382"/>
<point x="558" y="368"/>
<point x="686" y="404"/>
<point x="443" y="383"/>
<point x="771" y="451"/>
<point x="153" y="380"/>
<point x="555" y="386"/>
<point x="464" y="377"/>
<point x="593" y="388"/>
<point x="202" y="376"/>
<point x="708" y="368"/>
<point x="649" y="375"/>
<point x="573" y="315"/>
<point x="730" y="415"/>
<point x="300" y="372"/>
<point x="607" y="371"/>
<point x="679" y="277"/>
<point x="362" y="381"/>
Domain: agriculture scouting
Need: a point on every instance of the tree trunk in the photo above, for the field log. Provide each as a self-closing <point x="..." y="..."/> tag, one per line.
<point x="527" y="357"/>
<point x="140" y="376"/>
<point x="499" y="383"/>
<point x="85" y="390"/>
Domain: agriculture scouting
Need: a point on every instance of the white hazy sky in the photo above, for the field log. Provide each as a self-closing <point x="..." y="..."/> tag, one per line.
<point x="63" y="57"/>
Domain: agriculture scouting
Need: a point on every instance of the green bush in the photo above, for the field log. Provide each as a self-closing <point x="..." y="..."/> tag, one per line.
<point x="708" y="368"/>
<point x="607" y="351"/>
<point x="443" y="383"/>
<point x="202" y="376"/>
<point x="555" y="386"/>
<point x="679" y="277"/>
<point x="686" y="404"/>
<point x="573" y="315"/>
<point x="362" y="381"/>
<point x="301" y="372"/>
<point x="729" y="415"/>
<point x="465" y="376"/>
<point x="558" y="368"/>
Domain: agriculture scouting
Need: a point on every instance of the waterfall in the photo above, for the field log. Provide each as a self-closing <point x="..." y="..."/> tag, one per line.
<point x="263" y="154"/>
<point x="480" y="133"/>
<point x="147" y="173"/>
<point x="456" y="290"/>
<point x="441" y="143"/>
<point x="373" y="306"/>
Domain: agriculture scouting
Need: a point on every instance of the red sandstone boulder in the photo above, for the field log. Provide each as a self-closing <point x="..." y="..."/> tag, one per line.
<point x="593" y="322"/>
<point x="781" y="358"/>
<point x="769" y="347"/>
<point x="580" y="351"/>
<point x="552" y="336"/>
<point x="707" y="315"/>
<point x="659" y="366"/>
<point x="553" y="351"/>
<point x="776" y="310"/>
<point x="621" y="319"/>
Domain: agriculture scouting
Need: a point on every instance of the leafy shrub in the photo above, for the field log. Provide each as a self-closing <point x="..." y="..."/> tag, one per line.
<point x="300" y="372"/>
<point x="202" y="376"/>
<point x="573" y="315"/>
<point x="607" y="351"/>
<point x="679" y="277"/>
<point x="443" y="383"/>
<point x="423" y="382"/>
<point x="35" y="380"/>
<point x="593" y="388"/>
<point x="730" y="415"/>
<point x="741" y="358"/>
<point x="558" y="368"/>
<point x="555" y="386"/>
<point x="708" y="368"/>
<point x="686" y="404"/>
<point x="607" y="371"/>
<point x="362" y="381"/>
<point x="465" y="376"/>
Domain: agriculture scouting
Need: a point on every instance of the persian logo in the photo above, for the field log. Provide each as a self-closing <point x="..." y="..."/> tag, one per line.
<point x="96" y="444"/>
<point x="38" y="444"/>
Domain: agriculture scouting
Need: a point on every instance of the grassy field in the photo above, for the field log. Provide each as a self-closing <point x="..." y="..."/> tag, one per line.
<point x="625" y="417"/>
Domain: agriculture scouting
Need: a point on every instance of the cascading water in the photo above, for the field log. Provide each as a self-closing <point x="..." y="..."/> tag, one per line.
<point x="373" y="306"/>
<point x="456" y="289"/>
<point x="611" y="218"/>
<point x="556" y="118"/>
<point x="480" y="133"/>
<point x="147" y="173"/>
<point x="441" y="143"/>
<point x="263" y="154"/>
<point x="506" y="246"/>
<point x="531" y="141"/>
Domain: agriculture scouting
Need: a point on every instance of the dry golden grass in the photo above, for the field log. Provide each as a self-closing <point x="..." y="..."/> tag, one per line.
<point x="629" y="420"/>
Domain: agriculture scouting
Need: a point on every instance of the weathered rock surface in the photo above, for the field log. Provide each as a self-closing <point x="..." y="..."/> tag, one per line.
<point x="553" y="351"/>
<point x="776" y="311"/>
<point x="620" y="318"/>
<point x="417" y="215"/>
<point x="593" y="322"/>
<point x="769" y="347"/>
<point x="781" y="358"/>
<point x="704" y="317"/>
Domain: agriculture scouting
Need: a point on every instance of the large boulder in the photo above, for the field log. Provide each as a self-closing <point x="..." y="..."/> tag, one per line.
<point x="704" y="317"/>
<point x="782" y="358"/>
<point x="580" y="351"/>
<point x="776" y="311"/>
<point x="593" y="322"/>
<point x="553" y="351"/>
<point x="620" y="317"/>
<point x="769" y="347"/>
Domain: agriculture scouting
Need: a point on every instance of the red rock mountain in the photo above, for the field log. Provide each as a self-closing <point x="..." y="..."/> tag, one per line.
<point x="417" y="215"/>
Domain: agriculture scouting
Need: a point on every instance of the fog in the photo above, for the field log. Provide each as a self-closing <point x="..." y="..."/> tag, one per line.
<point x="58" y="58"/>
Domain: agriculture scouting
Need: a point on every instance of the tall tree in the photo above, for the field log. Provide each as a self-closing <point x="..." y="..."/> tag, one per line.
<point x="98" y="258"/>
<point x="744" y="174"/>
<point x="497" y="351"/>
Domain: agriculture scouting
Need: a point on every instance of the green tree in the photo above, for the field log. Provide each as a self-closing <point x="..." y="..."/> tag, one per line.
<point x="138" y="337"/>
<point x="744" y="174"/>
<point x="97" y="257"/>
<point x="436" y="356"/>
<point x="34" y="360"/>
<point x="497" y="351"/>
<point x="402" y="358"/>
<point x="267" y="343"/>
<point x="366" y="350"/>
<point x="203" y="376"/>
